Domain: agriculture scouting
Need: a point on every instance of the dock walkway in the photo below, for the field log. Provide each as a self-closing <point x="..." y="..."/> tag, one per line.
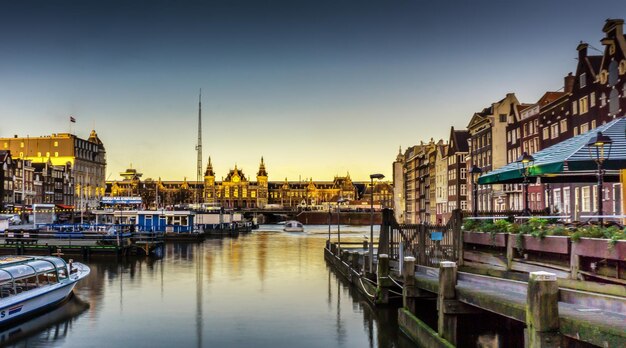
<point x="594" y="318"/>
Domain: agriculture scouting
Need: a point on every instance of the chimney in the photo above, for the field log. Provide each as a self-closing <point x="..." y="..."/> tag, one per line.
<point x="614" y="24"/>
<point x="568" y="86"/>
<point x="582" y="50"/>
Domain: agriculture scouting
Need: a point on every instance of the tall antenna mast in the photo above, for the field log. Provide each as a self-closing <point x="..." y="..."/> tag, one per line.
<point x="199" y="151"/>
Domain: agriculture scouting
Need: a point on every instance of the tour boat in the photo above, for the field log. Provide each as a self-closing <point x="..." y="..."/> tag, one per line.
<point x="293" y="226"/>
<point x="29" y="284"/>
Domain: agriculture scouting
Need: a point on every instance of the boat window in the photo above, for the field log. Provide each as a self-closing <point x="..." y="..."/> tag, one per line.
<point x="51" y="277"/>
<point x="6" y="289"/>
<point x="42" y="266"/>
<point x="62" y="272"/>
<point x="59" y="263"/>
<point x="25" y="284"/>
<point x="20" y="271"/>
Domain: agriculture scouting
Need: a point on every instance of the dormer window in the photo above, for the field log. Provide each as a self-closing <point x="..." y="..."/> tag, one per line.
<point x="583" y="80"/>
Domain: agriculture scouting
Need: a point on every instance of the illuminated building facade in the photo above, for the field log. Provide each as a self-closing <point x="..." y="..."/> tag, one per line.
<point x="86" y="158"/>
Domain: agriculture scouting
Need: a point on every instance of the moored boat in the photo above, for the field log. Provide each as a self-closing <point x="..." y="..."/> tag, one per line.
<point x="293" y="226"/>
<point x="30" y="284"/>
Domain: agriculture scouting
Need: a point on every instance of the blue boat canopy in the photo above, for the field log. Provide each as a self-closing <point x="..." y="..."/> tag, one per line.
<point x="569" y="160"/>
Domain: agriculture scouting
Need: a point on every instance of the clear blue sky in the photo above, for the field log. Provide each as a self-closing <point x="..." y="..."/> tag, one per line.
<point x="316" y="87"/>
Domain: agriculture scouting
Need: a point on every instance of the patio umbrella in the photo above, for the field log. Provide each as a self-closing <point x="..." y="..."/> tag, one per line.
<point x="569" y="160"/>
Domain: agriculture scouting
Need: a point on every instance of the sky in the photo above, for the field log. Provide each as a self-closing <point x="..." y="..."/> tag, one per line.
<point x="317" y="88"/>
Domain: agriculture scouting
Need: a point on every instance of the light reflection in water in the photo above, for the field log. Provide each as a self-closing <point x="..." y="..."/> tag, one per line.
<point x="264" y="289"/>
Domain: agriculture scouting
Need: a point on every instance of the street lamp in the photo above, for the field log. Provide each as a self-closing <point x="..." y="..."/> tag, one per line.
<point x="596" y="145"/>
<point x="524" y="162"/>
<point x="339" y="201"/>
<point x="475" y="172"/>
<point x="371" y="243"/>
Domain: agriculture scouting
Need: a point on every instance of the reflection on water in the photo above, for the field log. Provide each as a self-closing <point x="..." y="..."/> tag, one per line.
<point x="44" y="330"/>
<point x="264" y="289"/>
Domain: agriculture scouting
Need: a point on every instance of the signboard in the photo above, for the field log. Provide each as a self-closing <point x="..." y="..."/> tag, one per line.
<point x="121" y="200"/>
<point x="436" y="235"/>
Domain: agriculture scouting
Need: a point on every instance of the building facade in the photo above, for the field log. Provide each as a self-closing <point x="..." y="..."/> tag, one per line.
<point x="86" y="158"/>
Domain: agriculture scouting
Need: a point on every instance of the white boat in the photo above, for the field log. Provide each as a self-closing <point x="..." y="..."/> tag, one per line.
<point x="30" y="284"/>
<point x="293" y="226"/>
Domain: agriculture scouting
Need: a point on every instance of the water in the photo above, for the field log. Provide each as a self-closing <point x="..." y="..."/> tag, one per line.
<point x="264" y="289"/>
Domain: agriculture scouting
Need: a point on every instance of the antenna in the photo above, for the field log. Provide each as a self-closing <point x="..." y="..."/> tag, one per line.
<point x="199" y="151"/>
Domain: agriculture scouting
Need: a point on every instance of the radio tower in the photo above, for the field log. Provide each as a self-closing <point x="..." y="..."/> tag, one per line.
<point x="198" y="195"/>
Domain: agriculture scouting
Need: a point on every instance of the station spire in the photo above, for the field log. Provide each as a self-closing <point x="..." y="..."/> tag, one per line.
<point x="198" y="190"/>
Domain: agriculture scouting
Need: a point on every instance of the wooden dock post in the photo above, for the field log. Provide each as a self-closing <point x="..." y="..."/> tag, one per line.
<point x="410" y="289"/>
<point x="542" y="311"/>
<point x="366" y="262"/>
<point x="383" y="281"/>
<point x="447" y="322"/>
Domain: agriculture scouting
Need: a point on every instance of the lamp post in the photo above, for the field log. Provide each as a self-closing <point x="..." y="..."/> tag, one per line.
<point x="371" y="243"/>
<point x="339" y="201"/>
<point x="524" y="162"/>
<point x="475" y="172"/>
<point x="596" y="145"/>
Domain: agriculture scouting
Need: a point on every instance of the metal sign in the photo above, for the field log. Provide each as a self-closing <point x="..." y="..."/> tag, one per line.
<point x="121" y="200"/>
<point x="436" y="235"/>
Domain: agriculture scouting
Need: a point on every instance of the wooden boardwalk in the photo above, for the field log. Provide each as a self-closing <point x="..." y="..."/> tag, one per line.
<point x="595" y="318"/>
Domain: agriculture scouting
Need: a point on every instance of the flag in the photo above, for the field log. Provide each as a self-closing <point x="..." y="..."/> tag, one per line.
<point x="72" y="119"/>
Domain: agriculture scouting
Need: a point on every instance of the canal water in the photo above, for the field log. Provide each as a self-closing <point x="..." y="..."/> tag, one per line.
<point x="268" y="288"/>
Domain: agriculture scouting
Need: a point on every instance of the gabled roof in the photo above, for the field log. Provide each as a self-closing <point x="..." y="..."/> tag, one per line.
<point x="458" y="141"/>
<point x="549" y="97"/>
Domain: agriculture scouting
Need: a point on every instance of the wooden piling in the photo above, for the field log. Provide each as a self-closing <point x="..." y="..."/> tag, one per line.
<point x="447" y="322"/>
<point x="383" y="281"/>
<point x="410" y="289"/>
<point x="542" y="311"/>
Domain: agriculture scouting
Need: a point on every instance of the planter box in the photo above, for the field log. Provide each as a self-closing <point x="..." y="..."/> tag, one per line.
<point x="483" y="238"/>
<point x="548" y="244"/>
<point x="595" y="247"/>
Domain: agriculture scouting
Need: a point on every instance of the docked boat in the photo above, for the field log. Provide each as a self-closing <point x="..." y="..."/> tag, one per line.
<point x="293" y="226"/>
<point x="30" y="284"/>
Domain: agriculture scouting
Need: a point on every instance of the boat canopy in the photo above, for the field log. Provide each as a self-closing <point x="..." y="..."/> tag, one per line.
<point x="568" y="161"/>
<point x="20" y="271"/>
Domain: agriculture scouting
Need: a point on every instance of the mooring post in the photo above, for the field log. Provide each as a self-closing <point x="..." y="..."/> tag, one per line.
<point x="409" y="291"/>
<point x="355" y="261"/>
<point x="542" y="311"/>
<point x="383" y="281"/>
<point x="447" y="323"/>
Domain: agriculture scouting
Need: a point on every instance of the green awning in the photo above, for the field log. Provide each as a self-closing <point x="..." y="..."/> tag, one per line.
<point x="569" y="158"/>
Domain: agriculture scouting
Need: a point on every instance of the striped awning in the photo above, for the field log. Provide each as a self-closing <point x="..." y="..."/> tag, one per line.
<point x="569" y="160"/>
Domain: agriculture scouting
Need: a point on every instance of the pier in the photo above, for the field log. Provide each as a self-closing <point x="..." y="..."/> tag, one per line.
<point x="78" y="243"/>
<point x="443" y="303"/>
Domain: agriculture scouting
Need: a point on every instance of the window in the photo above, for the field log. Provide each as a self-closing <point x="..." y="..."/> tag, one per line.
<point x="583" y="80"/>
<point x="602" y="99"/>
<point x="546" y="133"/>
<point x="563" y="125"/>
<point x="56" y="144"/>
<point x="593" y="124"/>
<point x="463" y="205"/>
<point x="463" y="173"/>
<point x="554" y="130"/>
<point x="592" y="99"/>
<point x="566" y="203"/>
<point x="502" y="117"/>
<point x="584" y="128"/>
<point x="586" y="198"/>
<point x="56" y="154"/>
<point x="463" y="190"/>
<point x="583" y="104"/>
<point x="575" y="131"/>
<point x="574" y="107"/>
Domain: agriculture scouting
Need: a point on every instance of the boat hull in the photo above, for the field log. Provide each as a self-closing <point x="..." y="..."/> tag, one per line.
<point x="28" y="303"/>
